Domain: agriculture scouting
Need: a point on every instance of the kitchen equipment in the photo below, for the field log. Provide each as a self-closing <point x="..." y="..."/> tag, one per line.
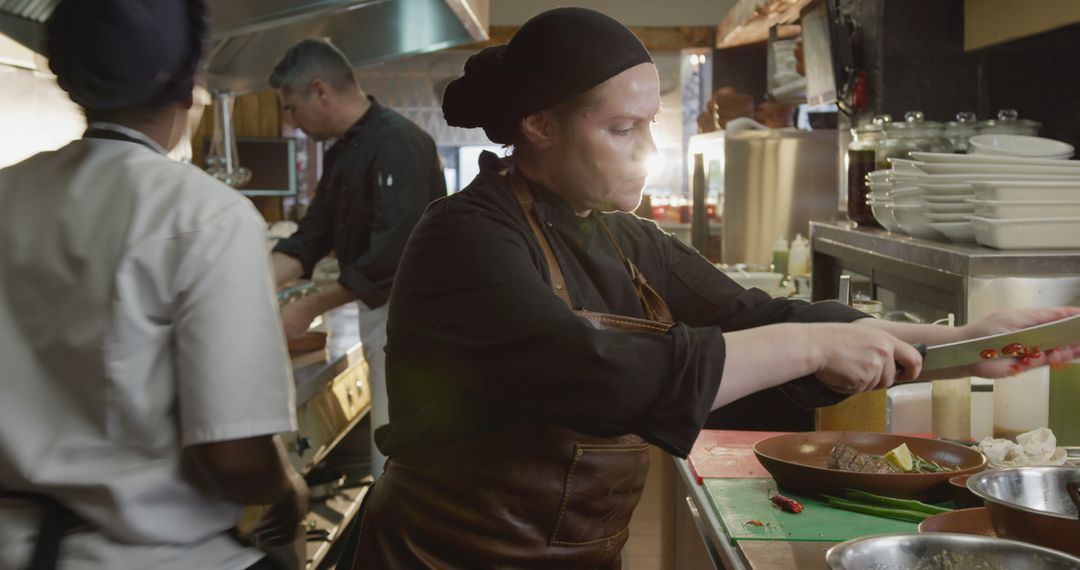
<point x="775" y="182"/>
<point x="860" y="160"/>
<point x="739" y="501"/>
<point x="1008" y="122"/>
<point x="1027" y="233"/>
<point x="960" y="131"/>
<point x="973" y="520"/>
<point x="914" y="133"/>
<point x="1047" y="335"/>
<point x="944" y="551"/>
<point x="1033" y="504"/>
<point x="1012" y="209"/>
<point x="1020" y="145"/>
<point x="797" y="463"/>
<point x="962" y="496"/>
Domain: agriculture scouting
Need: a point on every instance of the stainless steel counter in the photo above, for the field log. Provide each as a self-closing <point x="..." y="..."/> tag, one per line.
<point x="311" y="371"/>
<point x="960" y="259"/>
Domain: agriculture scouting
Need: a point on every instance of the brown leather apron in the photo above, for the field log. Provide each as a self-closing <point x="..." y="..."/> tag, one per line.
<point x="533" y="495"/>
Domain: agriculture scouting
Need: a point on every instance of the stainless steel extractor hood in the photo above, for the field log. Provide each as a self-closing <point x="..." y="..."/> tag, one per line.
<point x="248" y="36"/>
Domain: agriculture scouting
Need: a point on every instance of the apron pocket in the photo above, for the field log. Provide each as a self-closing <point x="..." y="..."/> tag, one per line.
<point x="603" y="485"/>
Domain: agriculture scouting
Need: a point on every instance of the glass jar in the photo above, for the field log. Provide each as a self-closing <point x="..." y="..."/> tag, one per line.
<point x="861" y="160"/>
<point x="1008" y="122"/>
<point x="960" y="131"/>
<point x="915" y="133"/>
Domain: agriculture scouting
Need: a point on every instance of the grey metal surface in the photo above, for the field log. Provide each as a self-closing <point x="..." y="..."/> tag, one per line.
<point x="957" y="259"/>
<point x="717" y="541"/>
<point x="313" y="370"/>
<point x="775" y="183"/>
<point x="944" y="550"/>
<point x="1039" y="490"/>
<point x="1047" y="335"/>
<point x="248" y="36"/>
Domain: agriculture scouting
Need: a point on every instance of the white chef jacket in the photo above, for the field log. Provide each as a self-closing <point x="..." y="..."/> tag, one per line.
<point x="137" y="317"/>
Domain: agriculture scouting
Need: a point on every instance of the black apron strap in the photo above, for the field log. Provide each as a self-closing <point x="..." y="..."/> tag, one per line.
<point x="56" y="521"/>
<point x="114" y="136"/>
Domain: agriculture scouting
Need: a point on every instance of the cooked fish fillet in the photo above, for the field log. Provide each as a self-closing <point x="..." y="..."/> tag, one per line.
<point x="845" y="458"/>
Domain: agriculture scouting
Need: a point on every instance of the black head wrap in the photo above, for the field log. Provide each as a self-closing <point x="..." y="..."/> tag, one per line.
<point x="555" y="56"/>
<point x="121" y="54"/>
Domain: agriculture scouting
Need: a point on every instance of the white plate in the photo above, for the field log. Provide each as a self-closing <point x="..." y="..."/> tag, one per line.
<point x="1020" y="209"/>
<point x="1027" y="233"/>
<point x="947" y="217"/>
<point x="1027" y="191"/>
<point x="952" y="158"/>
<point x="972" y="178"/>
<point x="983" y="168"/>
<point x="951" y="207"/>
<point x="913" y="221"/>
<point x="948" y="199"/>
<point x="946" y="189"/>
<point x="1020" y="145"/>
<point x="903" y="165"/>
<point x="911" y="196"/>
<point x="959" y="232"/>
<point x="883" y="213"/>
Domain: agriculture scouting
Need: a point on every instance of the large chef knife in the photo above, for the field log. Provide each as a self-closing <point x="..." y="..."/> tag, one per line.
<point x="1045" y="336"/>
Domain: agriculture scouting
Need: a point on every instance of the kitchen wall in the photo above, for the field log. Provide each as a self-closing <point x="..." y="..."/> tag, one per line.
<point x="35" y="114"/>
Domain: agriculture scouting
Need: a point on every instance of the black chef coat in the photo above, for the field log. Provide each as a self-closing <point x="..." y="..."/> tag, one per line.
<point x="478" y="340"/>
<point x="376" y="182"/>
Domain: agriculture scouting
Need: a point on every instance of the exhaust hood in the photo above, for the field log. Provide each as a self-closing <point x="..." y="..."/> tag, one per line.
<point x="248" y="36"/>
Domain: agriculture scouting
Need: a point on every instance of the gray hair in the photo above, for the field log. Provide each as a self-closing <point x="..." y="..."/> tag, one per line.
<point x="311" y="59"/>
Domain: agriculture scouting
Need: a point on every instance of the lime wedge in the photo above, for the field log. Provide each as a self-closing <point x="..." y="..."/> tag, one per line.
<point x="901" y="458"/>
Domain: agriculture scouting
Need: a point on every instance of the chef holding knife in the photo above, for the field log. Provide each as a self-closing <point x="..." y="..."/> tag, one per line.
<point x="541" y="337"/>
<point x="144" y="372"/>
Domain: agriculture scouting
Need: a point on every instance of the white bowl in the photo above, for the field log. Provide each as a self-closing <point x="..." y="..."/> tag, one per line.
<point x="1027" y="191"/>
<point x="879" y="175"/>
<point x="913" y="221"/>
<point x="954" y="158"/>
<point x="1027" y="233"/>
<point x="883" y="213"/>
<point x="939" y="217"/>
<point x="1020" y="209"/>
<point x="907" y="197"/>
<point x="950" y="207"/>
<point x="903" y="165"/>
<point x="959" y="232"/>
<point x="1020" y="145"/>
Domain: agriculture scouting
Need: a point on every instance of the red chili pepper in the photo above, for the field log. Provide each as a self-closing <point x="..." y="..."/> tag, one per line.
<point x="988" y="354"/>
<point x="789" y="505"/>
<point x="754" y="523"/>
<point x="1033" y="352"/>
<point x="1011" y="349"/>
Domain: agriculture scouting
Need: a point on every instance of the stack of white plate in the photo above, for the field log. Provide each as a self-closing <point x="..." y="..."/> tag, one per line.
<point x="999" y="200"/>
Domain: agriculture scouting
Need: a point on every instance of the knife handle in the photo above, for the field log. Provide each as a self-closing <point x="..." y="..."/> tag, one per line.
<point x="919" y="346"/>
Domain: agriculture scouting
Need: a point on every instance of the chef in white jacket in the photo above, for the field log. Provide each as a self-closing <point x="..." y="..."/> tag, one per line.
<point x="143" y="370"/>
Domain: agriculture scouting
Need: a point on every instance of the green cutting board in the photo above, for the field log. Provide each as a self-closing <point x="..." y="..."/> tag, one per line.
<point x="738" y="501"/>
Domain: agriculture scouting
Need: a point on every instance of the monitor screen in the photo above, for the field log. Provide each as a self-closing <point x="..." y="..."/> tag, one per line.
<point x="273" y="165"/>
<point x="821" y="72"/>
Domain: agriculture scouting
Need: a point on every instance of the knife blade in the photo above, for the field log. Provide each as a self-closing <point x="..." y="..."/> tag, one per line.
<point x="1045" y="336"/>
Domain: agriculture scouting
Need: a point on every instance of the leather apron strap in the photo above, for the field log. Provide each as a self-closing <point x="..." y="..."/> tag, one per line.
<point x="658" y="315"/>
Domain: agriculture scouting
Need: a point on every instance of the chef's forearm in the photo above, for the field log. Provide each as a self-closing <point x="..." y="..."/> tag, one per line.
<point x="764" y="357"/>
<point x="250" y="471"/>
<point x="286" y="268"/>
<point x="326" y="298"/>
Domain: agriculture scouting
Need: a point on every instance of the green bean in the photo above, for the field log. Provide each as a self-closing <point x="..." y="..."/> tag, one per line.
<point x="884" y="512"/>
<point x="906" y="504"/>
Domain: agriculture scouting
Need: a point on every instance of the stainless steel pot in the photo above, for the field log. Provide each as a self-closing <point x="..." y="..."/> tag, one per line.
<point x="1035" y="504"/>
<point x="938" y="551"/>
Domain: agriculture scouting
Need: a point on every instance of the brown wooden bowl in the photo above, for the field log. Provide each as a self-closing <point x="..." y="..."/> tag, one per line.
<point x="964" y="521"/>
<point x="797" y="463"/>
<point x="961" y="495"/>
<point x="311" y="341"/>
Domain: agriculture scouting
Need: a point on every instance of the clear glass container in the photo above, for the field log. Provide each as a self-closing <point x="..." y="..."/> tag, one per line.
<point x="915" y="133"/>
<point x="861" y="160"/>
<point x="960" y="131"/>
<point x="1008" y="122"/>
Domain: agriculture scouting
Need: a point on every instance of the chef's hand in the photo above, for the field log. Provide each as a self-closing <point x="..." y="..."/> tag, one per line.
<point x="853" y="358"/>
<point x="1013" y="319"/>
<point x="280" y="524"/>
<point x="295" y="319"/>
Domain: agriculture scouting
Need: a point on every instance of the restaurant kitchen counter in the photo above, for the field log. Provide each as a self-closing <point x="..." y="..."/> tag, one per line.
<point x="312" y="370"/>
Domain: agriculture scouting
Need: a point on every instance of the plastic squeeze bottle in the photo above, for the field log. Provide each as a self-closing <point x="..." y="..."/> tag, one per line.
<point x="780" y="255"/>
<point x="799" y="257"/>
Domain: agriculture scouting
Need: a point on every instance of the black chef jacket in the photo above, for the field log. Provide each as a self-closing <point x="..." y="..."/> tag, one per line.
<point x="376" y="182"/>
<point x="478" y="340"/>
